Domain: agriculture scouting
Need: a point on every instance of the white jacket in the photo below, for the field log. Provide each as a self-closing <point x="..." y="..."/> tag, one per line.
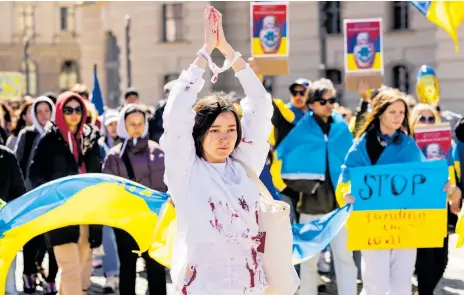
<point x="216" y="204"/>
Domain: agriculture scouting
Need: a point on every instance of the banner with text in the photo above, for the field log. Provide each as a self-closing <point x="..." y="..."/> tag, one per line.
<point x="398" y="206"/>
<point x="269" y="29"/>
<point x="434" y="140"/>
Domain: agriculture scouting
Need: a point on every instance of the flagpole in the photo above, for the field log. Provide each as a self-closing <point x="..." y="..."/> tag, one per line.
<point x="127" y="27"/>
<point x="26" y="64"/>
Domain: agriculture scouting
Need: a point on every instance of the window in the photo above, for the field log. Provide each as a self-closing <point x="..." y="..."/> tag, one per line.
<point x="268" y="83"/>
<point x="331" y="16"/>
<point x="335" y="76"/>
<point x="67" y="15"/>
<point x="172" y="22"/>
<point x="32" y="74"/>
<point x="400" y="15"/>
<point x="401" y="78"/>
<point x="69" y="75"/>
<point x="112" y="67"/>
<point x="26" y="20"/>
<point x="170" y="77"/>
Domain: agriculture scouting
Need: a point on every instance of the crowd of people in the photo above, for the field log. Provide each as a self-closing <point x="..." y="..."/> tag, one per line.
<point x="197" y="155"/>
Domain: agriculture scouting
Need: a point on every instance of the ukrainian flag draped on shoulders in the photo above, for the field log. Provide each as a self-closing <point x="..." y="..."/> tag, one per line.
<point x="402" y="149"/>
<point x="302" y="154"/>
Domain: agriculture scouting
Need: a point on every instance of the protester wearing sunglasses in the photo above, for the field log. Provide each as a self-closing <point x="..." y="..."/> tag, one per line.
<point x="69" y="146"/>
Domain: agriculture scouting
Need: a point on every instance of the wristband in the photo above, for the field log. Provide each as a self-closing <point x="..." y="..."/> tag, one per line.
<point x="214" y="68"/>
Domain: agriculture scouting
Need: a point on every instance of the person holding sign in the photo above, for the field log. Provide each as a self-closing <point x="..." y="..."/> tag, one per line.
<point x="384" y="139"/>
<point x="431" y="262"/>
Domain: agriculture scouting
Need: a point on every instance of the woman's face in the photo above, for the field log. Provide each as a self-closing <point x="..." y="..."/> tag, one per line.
<point x="43" y="113"/>
<point x="72" y="112"/>
<point x="425" y="117"/>
<point x="220" y="139"/>
<point x="135" y="124"/>
<point x="393" y="117"/>
<point x="28" y="116"/>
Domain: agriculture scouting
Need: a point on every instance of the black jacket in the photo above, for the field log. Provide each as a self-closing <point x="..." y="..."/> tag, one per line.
<point x="155" y="124"/>
<point x="11" y="178"/>
<point x="52" y="160"/>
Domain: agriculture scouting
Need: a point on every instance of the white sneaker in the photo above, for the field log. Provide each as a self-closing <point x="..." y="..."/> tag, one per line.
<point x="111" y="284"/>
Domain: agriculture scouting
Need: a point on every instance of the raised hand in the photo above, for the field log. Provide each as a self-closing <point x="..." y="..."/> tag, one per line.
<point x="222" y="44"/>
<point x="211" y="29"/>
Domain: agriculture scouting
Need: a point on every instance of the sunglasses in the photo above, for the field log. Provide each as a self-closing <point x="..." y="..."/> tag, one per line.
<point x="429" y="120"/>
<point x="323" y="102"/>
<point x="295" y="92"/>
<point x="70" y="110"/>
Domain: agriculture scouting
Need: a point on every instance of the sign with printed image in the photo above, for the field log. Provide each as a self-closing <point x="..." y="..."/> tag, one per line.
<point x="434" y="140"/>
<point x="269" y="29"/>
<point x="363" y="54"/>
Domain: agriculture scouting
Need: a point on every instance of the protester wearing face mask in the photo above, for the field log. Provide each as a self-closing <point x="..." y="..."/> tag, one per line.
<point x="139" y="159"/>
<point x="69" y="147"/>
<point x="42" y="111"/>
<point x="431" y="262"/>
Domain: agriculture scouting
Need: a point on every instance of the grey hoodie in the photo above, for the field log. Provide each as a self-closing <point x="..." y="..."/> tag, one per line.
<point x="25" y="157"/>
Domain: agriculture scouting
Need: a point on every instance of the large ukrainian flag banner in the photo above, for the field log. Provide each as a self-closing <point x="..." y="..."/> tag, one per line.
<point x="81" y="199"/>
<point x="269" y="29"/>
<point x="446" y="14"/>
<point x="398" y="206"/>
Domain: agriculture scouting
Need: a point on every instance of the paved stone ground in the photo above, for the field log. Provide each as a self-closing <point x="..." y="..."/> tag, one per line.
<point x="452" y="282"/>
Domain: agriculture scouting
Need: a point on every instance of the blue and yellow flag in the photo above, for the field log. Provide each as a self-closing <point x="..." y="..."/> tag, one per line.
<point x="81" y="199"/>
<point x="446" y="14"/>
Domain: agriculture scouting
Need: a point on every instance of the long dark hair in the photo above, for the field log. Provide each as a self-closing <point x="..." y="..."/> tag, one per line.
<point x="21" y="123"/>
<point x="382" y="101"/>
<point x="207" y="110"/>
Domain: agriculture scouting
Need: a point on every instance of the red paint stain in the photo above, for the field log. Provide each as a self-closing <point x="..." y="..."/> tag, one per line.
<point x="244" y="140"/>
<point x="232" y="213"/>
<point x="215" y="223"/>
<point x="257" y="216"/>
<point x="192" y="278"/>
<point x="252" y="269"/>
<point x="244" y="204"/>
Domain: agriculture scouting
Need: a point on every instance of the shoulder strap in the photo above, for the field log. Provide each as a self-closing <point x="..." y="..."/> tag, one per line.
<point x="252" y="175"/>
<point x="127" y="163"/>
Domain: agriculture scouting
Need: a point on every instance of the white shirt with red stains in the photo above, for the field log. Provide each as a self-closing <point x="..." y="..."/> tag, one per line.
<point x="216" y="249"/>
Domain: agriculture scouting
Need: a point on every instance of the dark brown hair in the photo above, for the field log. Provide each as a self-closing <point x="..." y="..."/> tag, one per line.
<point x="207" y="110"/>
<point x="21" y="123"/>
<point x="382" y="101"/>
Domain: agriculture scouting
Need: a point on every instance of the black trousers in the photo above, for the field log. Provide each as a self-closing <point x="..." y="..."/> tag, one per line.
<point x="430" y="266"/>
<point x="156" y="275"/>
<point x="33" y="255"/>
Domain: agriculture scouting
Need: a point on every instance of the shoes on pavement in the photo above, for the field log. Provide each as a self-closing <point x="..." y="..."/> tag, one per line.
<point x="111" y="284"/>
<point x="50" y="289"/>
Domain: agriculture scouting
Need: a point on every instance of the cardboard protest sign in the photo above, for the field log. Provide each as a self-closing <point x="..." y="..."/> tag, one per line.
<point x="270" y="37"/>
<point x="434" y="140"/>
<point x="398" y="206"/>
<point x="363" y="54"/>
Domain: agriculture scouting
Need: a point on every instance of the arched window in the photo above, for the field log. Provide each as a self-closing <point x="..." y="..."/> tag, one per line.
<point x="32" y="74"/>
<point x="69" y="75"/>
<point x="400" y="74"/>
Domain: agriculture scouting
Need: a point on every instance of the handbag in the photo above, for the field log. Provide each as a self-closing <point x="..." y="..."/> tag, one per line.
<point x="276" y="231"/>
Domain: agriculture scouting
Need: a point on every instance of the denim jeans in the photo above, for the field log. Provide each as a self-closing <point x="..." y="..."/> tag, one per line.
<point x="10" y="288"/>
<point x="110" y="259"/>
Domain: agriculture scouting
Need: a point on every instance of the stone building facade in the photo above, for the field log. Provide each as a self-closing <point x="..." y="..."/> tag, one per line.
<point x="54" y="53"/>
<point x="165" y="36"/>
